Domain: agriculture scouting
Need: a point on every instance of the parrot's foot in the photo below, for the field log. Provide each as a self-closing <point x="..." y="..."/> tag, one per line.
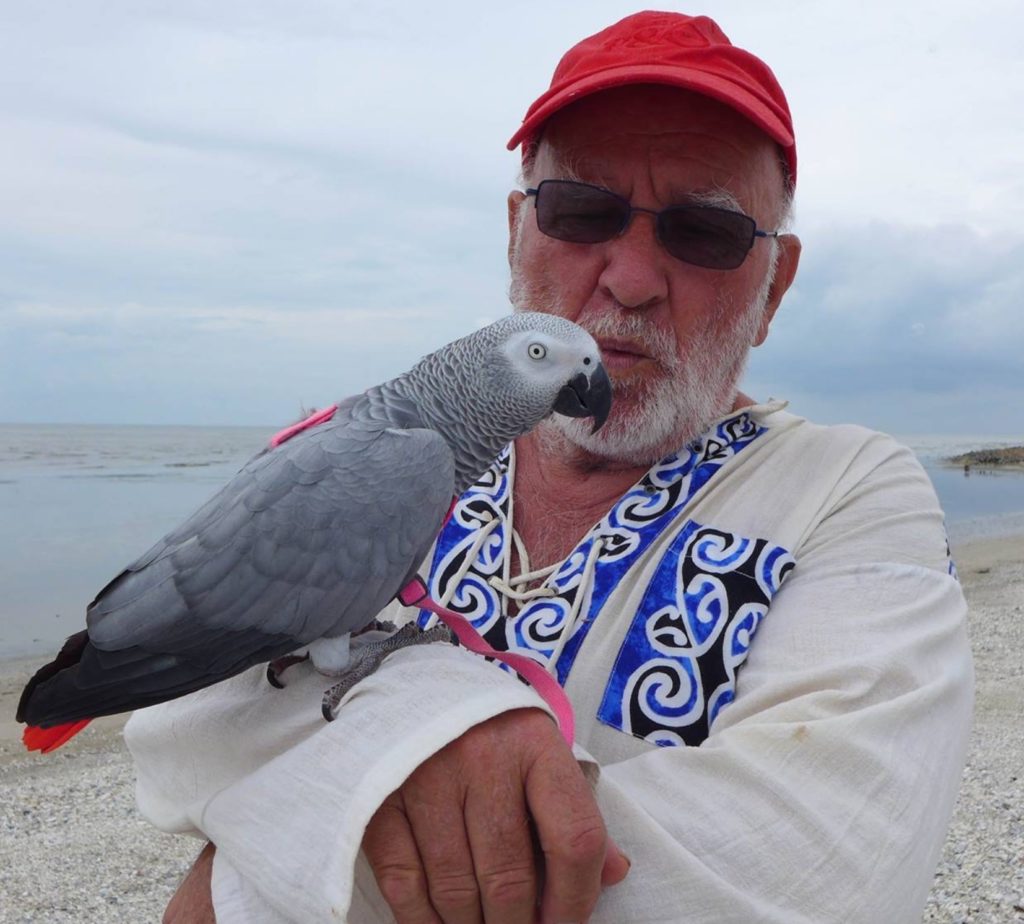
<point x="367" y="658"/>
<point x="378" y="625"/>
<point x="279" y="665"/>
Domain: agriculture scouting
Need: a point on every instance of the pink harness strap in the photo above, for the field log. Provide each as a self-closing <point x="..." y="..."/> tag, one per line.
<point x="415" y="594"/>
<point x="288" y="432"/>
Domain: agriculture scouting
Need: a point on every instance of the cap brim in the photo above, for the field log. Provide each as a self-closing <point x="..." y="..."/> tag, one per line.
<point x="722" y="89"/>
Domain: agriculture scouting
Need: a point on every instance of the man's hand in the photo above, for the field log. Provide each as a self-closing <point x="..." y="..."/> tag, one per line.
<point x="498" y="820"/>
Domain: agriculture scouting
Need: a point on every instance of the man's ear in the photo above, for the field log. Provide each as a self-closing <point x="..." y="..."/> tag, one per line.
<point x="515" y="199"/>
<point x="785" y="272"/>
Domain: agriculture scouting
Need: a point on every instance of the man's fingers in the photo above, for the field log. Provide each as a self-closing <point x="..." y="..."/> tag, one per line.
<point x="459" y="843"/>
<point x="392" y="853"/>
<point x="616" y="865"/>
<point x="572" y="837"/>
<point x="439" y="829"/>
<point x="501" y="838"/>
<point x="573" y="859"/>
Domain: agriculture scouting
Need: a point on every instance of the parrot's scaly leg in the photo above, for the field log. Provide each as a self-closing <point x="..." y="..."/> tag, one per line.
<point x="367" y="658"/>
<point x="279" y="665"/>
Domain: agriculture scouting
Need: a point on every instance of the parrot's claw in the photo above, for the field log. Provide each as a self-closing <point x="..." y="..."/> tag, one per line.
<point x="279" y="665"/>
<point x="368" y="657"/>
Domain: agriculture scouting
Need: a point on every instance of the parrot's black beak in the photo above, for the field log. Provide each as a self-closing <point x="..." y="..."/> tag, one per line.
<point x="583" y="397"/>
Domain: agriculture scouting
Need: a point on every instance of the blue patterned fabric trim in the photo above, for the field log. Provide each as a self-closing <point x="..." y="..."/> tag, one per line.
<point x="676" y="669"/>
<point x="626" y="532"/>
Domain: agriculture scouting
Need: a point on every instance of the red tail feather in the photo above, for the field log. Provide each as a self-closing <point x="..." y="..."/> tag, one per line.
<point x="49" y="739"/>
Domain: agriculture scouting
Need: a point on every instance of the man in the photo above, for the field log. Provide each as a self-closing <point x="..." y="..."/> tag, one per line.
<point x="807" y="774"/>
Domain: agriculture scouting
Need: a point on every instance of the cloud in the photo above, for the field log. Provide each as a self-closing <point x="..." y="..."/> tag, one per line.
<point x="140" y="363"/>
<point x="214" y="212"/>
<point x="932" y="314"/>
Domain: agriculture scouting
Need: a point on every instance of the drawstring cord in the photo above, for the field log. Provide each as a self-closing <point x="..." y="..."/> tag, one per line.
<point x="508" y="588"/>
<point x="574" y="613"/>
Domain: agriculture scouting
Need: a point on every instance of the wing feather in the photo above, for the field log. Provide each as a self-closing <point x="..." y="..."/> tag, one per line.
<point x="311" y="539"/>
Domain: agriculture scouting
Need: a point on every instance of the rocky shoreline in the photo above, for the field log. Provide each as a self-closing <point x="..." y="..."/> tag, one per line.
<point x="1005" y="457"/>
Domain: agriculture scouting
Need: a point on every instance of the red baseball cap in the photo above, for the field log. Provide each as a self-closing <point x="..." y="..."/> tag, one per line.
<point x="690" y="52"/>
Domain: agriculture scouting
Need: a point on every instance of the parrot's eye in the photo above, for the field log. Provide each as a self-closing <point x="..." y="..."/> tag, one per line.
<point x="537" y="350"/>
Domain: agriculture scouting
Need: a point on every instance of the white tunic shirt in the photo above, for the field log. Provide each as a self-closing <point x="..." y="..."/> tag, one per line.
<point x="765" y="646"/>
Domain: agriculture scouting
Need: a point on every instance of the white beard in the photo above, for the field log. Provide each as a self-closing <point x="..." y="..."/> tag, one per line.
<point x="660" y="414"/>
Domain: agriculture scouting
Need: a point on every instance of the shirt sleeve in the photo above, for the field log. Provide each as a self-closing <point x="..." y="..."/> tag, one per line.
<point x="823" y="793"/>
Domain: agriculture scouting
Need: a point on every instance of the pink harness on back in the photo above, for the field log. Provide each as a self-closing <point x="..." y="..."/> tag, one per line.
<point x="288" y="432"/>
<point x="415" y="594"/>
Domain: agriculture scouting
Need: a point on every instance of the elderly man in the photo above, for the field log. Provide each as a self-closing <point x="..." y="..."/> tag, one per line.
<point x="805" y="774"/>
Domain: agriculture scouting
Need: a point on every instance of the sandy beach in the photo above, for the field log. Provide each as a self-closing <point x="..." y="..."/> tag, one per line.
<point x="74" y="849"/>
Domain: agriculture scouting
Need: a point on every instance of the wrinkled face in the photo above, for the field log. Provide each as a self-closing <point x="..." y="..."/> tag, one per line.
<point x="674" y="337"/>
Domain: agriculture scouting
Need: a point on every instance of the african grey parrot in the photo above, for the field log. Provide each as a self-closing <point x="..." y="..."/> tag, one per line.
<point x="316" y="535"/>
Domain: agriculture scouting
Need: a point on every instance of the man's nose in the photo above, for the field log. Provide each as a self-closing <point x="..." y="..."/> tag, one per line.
<point x="636" y="266"/>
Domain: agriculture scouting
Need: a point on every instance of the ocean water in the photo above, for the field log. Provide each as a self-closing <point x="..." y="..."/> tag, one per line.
<point x="78" y="503"/>
<point x="978" y="503"/>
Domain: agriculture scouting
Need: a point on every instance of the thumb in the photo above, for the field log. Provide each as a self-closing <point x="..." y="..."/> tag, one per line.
<point x="616" y="865"/>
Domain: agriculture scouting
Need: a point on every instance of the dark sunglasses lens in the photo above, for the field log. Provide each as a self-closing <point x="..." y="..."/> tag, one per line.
<point x="579" y="213"/>
<point x="705" y="236"/>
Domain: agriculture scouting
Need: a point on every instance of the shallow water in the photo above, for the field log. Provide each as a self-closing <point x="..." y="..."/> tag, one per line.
<point x="979" y="503"/>
<point x="79" y="503"/>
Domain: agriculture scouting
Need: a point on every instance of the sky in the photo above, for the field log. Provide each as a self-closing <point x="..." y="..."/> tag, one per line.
<point x="227" y="212"/>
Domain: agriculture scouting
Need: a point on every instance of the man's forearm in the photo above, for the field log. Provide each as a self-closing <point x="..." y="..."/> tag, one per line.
<point x="193" y="902"/>
<point x="204" y="764"/>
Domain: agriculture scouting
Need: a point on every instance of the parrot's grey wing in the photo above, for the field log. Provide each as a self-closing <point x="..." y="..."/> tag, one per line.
<point x="221" y="502"/>
<point x="311" y="539"/>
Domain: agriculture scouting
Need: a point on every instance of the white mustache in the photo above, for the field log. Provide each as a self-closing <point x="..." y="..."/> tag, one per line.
<point x="659" y="344"/>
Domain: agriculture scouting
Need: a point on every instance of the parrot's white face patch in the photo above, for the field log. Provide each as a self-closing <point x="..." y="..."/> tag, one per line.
<point x="548" y="361"/>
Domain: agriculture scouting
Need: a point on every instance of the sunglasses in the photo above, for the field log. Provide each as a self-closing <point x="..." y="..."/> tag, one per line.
<point x="702" y="235"/>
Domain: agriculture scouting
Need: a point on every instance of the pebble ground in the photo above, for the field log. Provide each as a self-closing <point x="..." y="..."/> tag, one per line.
<point x="73" y="849"/>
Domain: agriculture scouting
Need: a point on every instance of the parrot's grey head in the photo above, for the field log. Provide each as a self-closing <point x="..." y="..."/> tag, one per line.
<point x="491" y="387"/>
<point x="544" y="364"/>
